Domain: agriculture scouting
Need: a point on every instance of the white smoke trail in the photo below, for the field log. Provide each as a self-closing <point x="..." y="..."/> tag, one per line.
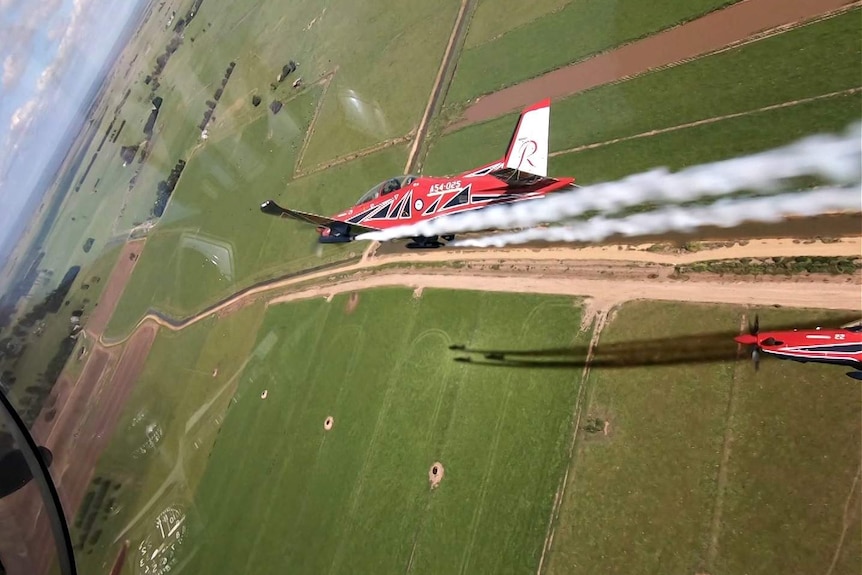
<point x="834" y="159"/>
<point x="724" y="213"/>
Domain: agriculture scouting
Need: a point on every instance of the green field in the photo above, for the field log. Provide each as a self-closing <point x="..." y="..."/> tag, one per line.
<point x="707" y="466"/>
<point x="658" y="492"/>
<point x="644" y="499"/>
<point x="557" y="38"/>
<point x="357" y="499"/>
<point x="163" y="440"/>
<point x="802" y="63"/>
<point x="323" y="38"/>
<point x="495" y="18"/>
<point x="216" y="217"/>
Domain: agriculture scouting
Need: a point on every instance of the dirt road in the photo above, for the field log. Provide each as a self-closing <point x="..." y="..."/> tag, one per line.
<point x="709" y="33"/>
<point x="542" y="257"/>
<point x="607" y="293"/>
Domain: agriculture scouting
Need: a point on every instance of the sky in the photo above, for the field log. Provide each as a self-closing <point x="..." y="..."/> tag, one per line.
<point x="51" y="52"/>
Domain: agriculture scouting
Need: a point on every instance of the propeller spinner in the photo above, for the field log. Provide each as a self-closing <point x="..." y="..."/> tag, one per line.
<point x="751" y="339"/>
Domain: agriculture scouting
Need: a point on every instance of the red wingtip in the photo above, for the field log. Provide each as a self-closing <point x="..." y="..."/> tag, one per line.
<point x="746" y="339"/>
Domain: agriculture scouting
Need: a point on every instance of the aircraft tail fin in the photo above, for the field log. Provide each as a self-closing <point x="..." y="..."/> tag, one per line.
<point x="528" y="148"/>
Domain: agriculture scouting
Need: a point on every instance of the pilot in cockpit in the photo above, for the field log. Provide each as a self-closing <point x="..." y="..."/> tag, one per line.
<point x="390" y="186"/>
<point x="387" y="187"/>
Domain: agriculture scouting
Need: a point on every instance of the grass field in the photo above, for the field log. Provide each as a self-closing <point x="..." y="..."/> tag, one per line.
<point x="648" y="497"/>
<point x="707" y="467"/>
<point x="215" y="217"/>
<point x="356" y="113"/>
<point x="160" y="450"/>
<point x="662" y="491"/>
<point x="494" y="19"/>
<point x="803" y="63"/>
<point x="357" y="499"/>
<point x="555" y="39"/>
<point x="725" y="139"/>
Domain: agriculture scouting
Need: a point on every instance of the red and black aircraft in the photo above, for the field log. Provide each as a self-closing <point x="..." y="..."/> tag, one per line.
<point x="402" y="200"/>
<point x="842" y="346"/>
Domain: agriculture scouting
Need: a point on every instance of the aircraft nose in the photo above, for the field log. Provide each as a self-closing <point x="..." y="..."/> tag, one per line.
<point x="746" y="339"/>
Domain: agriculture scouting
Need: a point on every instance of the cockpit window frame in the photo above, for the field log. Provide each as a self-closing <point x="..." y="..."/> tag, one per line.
<point x="377" y="191"/>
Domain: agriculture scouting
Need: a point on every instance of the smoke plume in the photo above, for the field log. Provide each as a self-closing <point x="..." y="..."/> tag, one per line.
<point x="834" y="160"/>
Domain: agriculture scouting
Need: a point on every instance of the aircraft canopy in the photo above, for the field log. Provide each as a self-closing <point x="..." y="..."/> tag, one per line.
<point x="386" y="187"/>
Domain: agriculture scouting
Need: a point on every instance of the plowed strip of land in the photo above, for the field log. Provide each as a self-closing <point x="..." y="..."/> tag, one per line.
<point x="98" y="423"/>
<point x="120" y="275"/>
<point x="80" y="433"/>
<point x="707" y="34"/>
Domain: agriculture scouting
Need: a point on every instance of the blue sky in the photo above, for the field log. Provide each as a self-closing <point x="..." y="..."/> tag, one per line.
<point x="50" y="54"/>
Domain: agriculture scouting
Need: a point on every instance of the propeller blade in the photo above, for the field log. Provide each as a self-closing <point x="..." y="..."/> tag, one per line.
<point x="756" y="324"/>
<point x="755" y="357"/>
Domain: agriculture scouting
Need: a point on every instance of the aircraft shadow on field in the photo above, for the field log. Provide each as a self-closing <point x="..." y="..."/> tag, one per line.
<point x="677" y="350"/>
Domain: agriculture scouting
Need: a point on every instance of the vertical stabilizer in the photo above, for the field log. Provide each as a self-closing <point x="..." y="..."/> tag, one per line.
<point x="528" y="148"/>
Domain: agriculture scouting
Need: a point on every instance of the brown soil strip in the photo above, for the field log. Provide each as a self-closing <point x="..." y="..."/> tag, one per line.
<point x="78" y="436"/>
<point x="97" y="425"/>
<point x="114" y="288"/>
<point x="707" y="121"/>
<point x="121" y="559"/>
<point x="707" y="34"/>
<point x="26" y="542"/>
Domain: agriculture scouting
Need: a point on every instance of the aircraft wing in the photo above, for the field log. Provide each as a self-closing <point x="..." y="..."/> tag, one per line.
<point x="273" y="209"/>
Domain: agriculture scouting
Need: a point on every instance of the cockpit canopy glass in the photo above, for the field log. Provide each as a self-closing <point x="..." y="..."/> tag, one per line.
<point x="386" y="187"/>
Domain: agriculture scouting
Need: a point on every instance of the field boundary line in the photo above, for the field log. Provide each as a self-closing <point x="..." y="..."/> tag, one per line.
<point x="721" y="477"/>
<point x="477" y="514"/>
<point x="756" y="37"/>
<point x="496" y="109"/>
<point x="380" y="146"/>
<point x="524" y="25"/>
<point x="707" y="121"/>
<point x="326" y="82"/>
<point x="458" y="34"/>
<point x="601" y="318"/>
<point x="845" y="523"/>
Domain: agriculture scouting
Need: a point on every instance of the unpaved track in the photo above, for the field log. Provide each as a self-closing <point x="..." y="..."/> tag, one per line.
<point x="710" y="33"/>
<point x="844" y="296"/>
<point x="622" y="253"/>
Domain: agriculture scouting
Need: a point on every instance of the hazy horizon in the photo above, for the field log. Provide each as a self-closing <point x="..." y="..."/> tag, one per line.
<point x="51" y="52"/>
